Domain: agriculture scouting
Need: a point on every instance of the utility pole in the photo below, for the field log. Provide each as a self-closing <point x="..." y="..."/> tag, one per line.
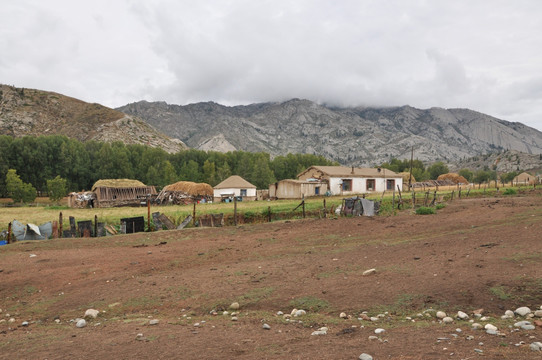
<point x="410" y="174"/>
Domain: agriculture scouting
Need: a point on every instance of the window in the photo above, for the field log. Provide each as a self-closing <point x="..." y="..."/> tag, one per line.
<point x="390" y="184"/>
<point x="370" y="184"/>
<point x="243" y="192"/>
<point x="347" y="185"/>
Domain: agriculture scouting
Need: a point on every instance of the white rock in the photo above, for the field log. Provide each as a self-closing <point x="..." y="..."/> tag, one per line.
<point x="24" y="323"/>
<point x="441" y="314"/>
<point x="536" y="346"/>
<point x="379" y="331"/>
<point x="374" y="318"/>
<point x="280" y="313"/>
<point x="523" y="311"/>
<point x="11" y="320"/>
<point x="91" y="313"/>
<point x="522" y="323"/>
<point x="458" y="330"/>
<point x="528" y="327"/>
<point x="509" y="313"/>
<point x="462" y="315"/>
<point x="57" y="321"/>
<point x="343" y="315"/>
<point x="369" y="272"/>
<point x="321" y="331"/>
<point x="140" y="337"/>
<point x="447" y="320"/>
<point x="538" y="313"/>
<point x="490" y="327"/>
<point x="365" y="356"/>
<point x="234" y="306"/>
<point x="372" y="337"/>
<point x="266" y="327"/>
<point x="476" y="326"/>
<point x="81" y="323"/>
<point x="196" y="324"/>
<point x="154" y="322"/>
<point x="300" y="312"/>
<point x="225" y="313"/>
<point x="234" y="318"/>
<point x="491" y="332"/>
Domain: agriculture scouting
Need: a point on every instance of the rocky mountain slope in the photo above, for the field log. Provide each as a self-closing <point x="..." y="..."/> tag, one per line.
<point x="352" y="136"/>
<point x="502" y="162"/>
<point x="36" y="112"/>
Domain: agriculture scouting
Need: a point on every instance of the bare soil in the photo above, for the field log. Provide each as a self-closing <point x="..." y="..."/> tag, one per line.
<point x="473" y="254"/>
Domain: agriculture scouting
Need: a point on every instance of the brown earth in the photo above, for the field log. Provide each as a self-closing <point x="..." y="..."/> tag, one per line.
<point x="474" y="253"/>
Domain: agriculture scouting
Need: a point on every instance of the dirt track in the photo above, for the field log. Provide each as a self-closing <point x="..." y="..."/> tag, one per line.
<point x="474" y="253"/>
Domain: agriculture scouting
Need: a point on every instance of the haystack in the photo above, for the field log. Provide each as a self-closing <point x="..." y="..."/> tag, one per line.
<point x="185" y="192"/>
<point x="453" y="177"/>
<point x="406" y="176"/>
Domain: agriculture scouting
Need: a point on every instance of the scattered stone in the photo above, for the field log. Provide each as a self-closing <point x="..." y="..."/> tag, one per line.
<point x="372" y="337"/>
<point x="379" y="331"/>
<point x="234" y="306"/>
<point x="479" y="351"/>
<point x="234" y="318"/>
<point x="266" y="327"/>
<point x="523" y="311"/>
<point x="225" y="313"/>
<point x="91" y="313"/>
<point x="441" y="315"/>
<point x="369" y="272"/>
<point x="81" y="323"/>
<point x="320" y="331"/>
<point x="491" y="332"/>
<point x="196" y="324"/>
<point x="528" y="327"/>
<point x="490" y="327"/>
<point x="365" y="356"/>
<point x="154" y="322"/>
<point x="373" y="318"/>
<point x="447" y="320"/>
<point x="11" y="320"/>
<point x="476" y="326"/>
<point x="538" y="313"/>
<point x="364" y="317"/>
<point x="343" y="315"/>
<point x="458" y="330"/>
<point x="32" y="255"/>
<point x="57" y="321"/>
<point x="538" y="323"/>
<point x="478" y="312"/>
<point x="470" y="337"/>
<point x="300" y="312"/>
<point x="462" y="315"/>
<point x="140" y="337"/>
<point x="536" y="346"/>
<point x="280" y="313"/>
<point x="25" y="323"/>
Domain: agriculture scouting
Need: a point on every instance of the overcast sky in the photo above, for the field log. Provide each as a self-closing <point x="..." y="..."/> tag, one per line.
<point x="482" y="55"/>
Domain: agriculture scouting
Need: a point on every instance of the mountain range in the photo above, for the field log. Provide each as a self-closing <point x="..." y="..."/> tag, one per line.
<point x="360" y="136"/>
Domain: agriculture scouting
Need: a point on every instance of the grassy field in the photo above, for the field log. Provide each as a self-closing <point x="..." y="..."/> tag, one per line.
<point x="42" y="210"/>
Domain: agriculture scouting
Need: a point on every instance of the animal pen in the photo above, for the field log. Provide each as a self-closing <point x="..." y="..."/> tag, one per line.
<point x="185" y="192"/>
<point x="121" y="192"/>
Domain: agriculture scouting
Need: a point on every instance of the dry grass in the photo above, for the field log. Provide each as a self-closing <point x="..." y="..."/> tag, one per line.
<point x="118" y="183"/>
<point x="191" y="188"/>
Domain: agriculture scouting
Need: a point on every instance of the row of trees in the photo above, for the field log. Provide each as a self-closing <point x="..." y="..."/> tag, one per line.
<point x="432" y="172"/>
<point x="39" y="159"/>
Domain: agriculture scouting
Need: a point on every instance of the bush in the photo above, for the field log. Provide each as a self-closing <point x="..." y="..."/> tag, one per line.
<point x="510" y="191"/>
<point x="440" y="206"/>
<point x="425" y="211"/>
<point x="57" y="188"/>
<point x="17" y="189"/>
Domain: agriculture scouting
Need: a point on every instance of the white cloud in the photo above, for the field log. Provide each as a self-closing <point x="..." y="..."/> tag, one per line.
<point x="482" y="55"/>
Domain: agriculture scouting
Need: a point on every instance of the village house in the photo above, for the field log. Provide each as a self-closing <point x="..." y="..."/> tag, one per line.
<point x="296" y="189"/>
<point x="234" y="186"/>
<point x="525" y="179"/>
<point x="344" y="180"/>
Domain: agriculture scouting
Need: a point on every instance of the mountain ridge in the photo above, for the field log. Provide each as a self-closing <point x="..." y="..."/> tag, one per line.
<point x="361" y="136"/>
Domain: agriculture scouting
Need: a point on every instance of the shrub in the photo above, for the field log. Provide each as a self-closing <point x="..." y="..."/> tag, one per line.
<point x="510" y="191"/>
<point x="425" y="211"/>
<point x="440" y="206"/>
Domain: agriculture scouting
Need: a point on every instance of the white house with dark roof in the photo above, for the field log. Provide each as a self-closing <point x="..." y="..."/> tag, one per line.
<point x="344" y="180"/>
<point x="234" y="186"/>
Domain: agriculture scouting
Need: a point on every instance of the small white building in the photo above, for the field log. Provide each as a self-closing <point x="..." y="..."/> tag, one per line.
<point x="344" y="180"/>
<point x="234" y="186"/>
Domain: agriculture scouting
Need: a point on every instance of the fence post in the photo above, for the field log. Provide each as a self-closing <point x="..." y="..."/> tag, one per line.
<point x="149" y="228"/>
<point x="60" y="229"/>
<point x="235" y="210"/>
<point x="303" y="202"/>
<point x="325" y="209"/>
<point x="9" y="233"/>
<point x="194" y="214"/>
<point x="269" y="214"/>
<point x="95" y="225"/>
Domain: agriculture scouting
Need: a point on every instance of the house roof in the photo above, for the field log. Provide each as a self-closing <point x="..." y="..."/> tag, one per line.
<point x="234" y="182"/>
<point x="190" y="188"/>
<point x="344" y="171"/>
<point x="118" y="183"/>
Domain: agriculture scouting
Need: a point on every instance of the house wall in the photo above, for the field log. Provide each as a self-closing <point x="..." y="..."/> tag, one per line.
<point x="251" y="193"/>
<point x="296" y="190"/>
<point x="359" y="185"/>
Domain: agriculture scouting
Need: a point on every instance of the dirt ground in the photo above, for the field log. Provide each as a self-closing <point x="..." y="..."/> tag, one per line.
<point x="473" y="254"/>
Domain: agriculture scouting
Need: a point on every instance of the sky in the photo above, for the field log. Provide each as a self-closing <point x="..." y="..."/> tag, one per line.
<point x="485" y="55"/>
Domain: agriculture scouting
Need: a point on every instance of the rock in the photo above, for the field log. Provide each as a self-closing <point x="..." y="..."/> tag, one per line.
<point x="57" y="321"/>
<point x="538" y="323"/>
<point x="523" y="311"/>
<point x="379" y="331"/>
<point x="321" y="331"/>
<point x="509" y="313"/>
<point x="478" y="351"/>
<point x="528" y="327"/>
<point x="491" y="332"/>
<point x="24" y="323"/>
<point x="81" y="323"/>
<point x="11" y="320"/>
<point x="478" y="312"/>
<point x="441" y="315"/>
<point x="91" y="313"/>
<point x="300" y="312"/>
<point x="343" y="315"/>
<point x="469" y="337"/>
<point x="225" y="313"/>
<point x="373" y="318"/>
<point x="447" y="320"/>
<point x="154" y="322"/>
<point x="538" y="313"/>
<point x="234" y="306"/>
<point x="364" y="317"/>
<point x="521" y="323"/>
<point x="140" y="337"/>
<point x="462" y="315"/>
<point x="369" y="272"/>
<point x="234" y="318"/>
<point x="372" y="337"/>
<point x="476" y="326"/>
<point x="280" y="313"/>
<point x="458" y="330"/>
<point x="536" y="346"/>
<point x="365" y="356"/>
<point x="490" y="327"/>
<point x="196" y="324"/>
<point x="266" y="327"/>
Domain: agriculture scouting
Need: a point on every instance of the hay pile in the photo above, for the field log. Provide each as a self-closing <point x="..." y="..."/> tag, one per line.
<point x="118" y="183"/>
<point x="406" y="176"/>
<point x="185" y="192"/>
<point x="453" y="177"/>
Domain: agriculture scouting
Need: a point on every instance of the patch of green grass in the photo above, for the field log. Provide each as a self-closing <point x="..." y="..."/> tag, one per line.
<point x="440" y="206"/>
<point x="404" y="304"/>
<point x="501" y="293"/>
<point x="510" y="191"/>
<point x="423" y="210"/>
<point x="255" y="295"/>
<point x="310" y="303"/>
<point x="525" y="257"/>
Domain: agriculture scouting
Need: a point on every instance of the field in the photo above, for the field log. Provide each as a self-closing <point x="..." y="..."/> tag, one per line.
<point x="474" y="253"/>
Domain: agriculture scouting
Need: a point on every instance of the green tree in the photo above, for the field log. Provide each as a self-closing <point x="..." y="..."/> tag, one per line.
<point x="57" y="188"/>
<point x="437" y="169"/>
<point x="481" y="176"/>
<point x="17" y="189"/>
<point x="508" y="177"/>
<point x="209" y="173"/>
<point x="262" y="175"/>
<point x="223" y="172"/>
<point x="467" y="174"/>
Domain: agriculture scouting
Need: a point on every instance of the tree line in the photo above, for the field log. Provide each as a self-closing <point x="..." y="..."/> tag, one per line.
<point x="39" y="159"/>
